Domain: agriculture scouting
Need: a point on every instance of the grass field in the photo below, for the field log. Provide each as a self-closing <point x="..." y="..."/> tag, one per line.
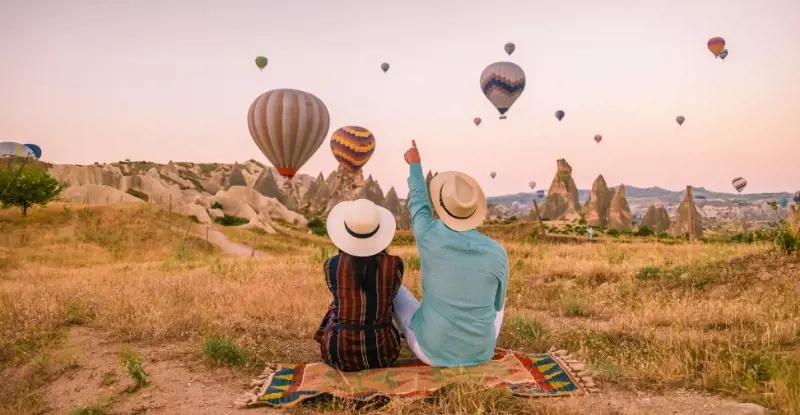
<point x="108" y="310"/>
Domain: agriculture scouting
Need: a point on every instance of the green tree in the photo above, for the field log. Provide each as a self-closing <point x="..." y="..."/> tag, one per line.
<point x="31" y="187"/>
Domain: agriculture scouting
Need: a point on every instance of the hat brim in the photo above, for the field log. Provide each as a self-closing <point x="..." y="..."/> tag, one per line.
<point x="355" y="246"/>
<point x="459" y="225"/>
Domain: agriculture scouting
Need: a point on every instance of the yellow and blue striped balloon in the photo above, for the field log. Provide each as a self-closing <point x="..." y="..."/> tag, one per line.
<point x="352" y="147"/>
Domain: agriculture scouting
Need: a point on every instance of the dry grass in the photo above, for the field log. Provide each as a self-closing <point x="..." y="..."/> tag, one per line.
<point x="645" y="315"/>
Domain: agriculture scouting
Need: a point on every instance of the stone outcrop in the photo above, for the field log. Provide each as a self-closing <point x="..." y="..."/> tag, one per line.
<point x="562" y="197"/>
<point x="656" y="219"/>
<point x="372" y="192"/>
<point x="619" y="213"/>
<point x="236" y="178"/>
<point x="681" y="221"/>
<point x="267" y="186"/>
<point x="596" y="210"/>
<point x="405" y="216"/>
<point x="392" y="203"/>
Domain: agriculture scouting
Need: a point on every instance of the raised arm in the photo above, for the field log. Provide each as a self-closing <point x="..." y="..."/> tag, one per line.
<point x="418" y="206"/>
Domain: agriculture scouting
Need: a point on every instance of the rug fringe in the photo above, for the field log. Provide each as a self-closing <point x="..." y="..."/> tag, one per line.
<point x="258" y="383"/>
<point x="578" y="370"/>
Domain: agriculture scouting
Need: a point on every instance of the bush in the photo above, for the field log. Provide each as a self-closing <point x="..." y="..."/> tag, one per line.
<point x="216" y="205"/>
<point x="230" y="220"/>
<point x="26" y="187"/>
<point x="613" y="233"/>
<point x="644" y="231"/>
<point x="318" y="226"/>
<point x="136" y="193"/>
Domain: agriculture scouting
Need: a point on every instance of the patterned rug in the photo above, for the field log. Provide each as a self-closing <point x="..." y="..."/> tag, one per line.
<point x="554" y="373"/>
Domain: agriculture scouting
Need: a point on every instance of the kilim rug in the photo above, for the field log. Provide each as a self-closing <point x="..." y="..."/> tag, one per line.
<point x="554" y="373"/>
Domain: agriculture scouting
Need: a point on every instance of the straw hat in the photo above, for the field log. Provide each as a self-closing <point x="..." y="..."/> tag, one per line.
<point x="459" y="200"/>
<point x="361" y="228"/>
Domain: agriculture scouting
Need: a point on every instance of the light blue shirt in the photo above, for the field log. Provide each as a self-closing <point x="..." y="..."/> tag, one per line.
<point x="464" y="279"/>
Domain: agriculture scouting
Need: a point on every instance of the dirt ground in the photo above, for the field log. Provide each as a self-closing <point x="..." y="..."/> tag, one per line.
<point x="180" y="384"/>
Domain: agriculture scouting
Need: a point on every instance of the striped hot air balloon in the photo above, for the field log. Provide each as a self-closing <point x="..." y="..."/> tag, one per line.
<point x="502" y="83"/>
<point x="559" y="114"/>
<point x="739" y="184"/>
<point x="288" y="126"/>
<point x="680" y="119"/>
<point x="9" y="149"/>
<point x="352" y="147"/>
<point x="532" y="184"/>
<point x="598" y="138"/>
<point x="477" y="121"/>
<point x="715" y="45"/>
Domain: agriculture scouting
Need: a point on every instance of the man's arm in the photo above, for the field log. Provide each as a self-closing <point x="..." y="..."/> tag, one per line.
<point x="500" y="295"/>
<point x="418" y="206"/>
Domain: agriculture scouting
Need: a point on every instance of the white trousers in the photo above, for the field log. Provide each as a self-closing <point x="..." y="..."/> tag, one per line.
<point x="405" y="305"/>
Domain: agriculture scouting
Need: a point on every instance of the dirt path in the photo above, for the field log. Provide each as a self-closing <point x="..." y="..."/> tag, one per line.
<point x="179" y="384"/>
<point x="219" y="240"/>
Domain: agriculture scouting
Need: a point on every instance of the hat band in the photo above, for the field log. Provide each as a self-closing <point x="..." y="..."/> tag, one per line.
<point x="361" y="235"/>
<point x="441" y="203"/>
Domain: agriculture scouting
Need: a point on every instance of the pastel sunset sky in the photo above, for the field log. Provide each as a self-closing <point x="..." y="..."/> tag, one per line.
<point x="92" y="80"/>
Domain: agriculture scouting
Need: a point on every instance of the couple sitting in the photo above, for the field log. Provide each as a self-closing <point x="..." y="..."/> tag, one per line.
<point x="464" y="277"/>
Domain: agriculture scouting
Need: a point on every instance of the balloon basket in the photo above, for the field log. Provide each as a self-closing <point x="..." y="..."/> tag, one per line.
<point x="503" y="117"/>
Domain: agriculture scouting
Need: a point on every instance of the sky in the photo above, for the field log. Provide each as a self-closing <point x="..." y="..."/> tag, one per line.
<point x="102" y="81"/>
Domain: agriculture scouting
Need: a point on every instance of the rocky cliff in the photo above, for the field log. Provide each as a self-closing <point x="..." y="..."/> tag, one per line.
<point x="619" y="213"/>
<point x="656" y="219"/>
<point x="681" y="220"/>
<point x="597" y="207"/>
<point x="562" y="197"/>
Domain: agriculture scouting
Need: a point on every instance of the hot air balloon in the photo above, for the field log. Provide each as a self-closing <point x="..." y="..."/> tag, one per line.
<point x="723" y="54"/>
<point x="797" y="197"/>
<point x="559" y="114"/>
<point x="784" y="202"/>
<point x="514" y="204"/>
<point x="598" y="138"/>
<point x="288" y="126"/>
<point x="540" y="194"/>
<point x="715" y="45"/>
<point x="509" y="48"/>
<point x="261" y="62"/>
<point x="700" y="201"/>
<point x="492" y="174"/>
<point x="680" y="119"/>
<point x="384" y="67"/>
<point x="739" y="183"/>
<point x="352" y="147"/>
<point x="477" y="120"/>
<point x="37" y="151"/>
<point x="502" y="83"/>
<point x="532" y="184"/>
<point x="9" y="149"/>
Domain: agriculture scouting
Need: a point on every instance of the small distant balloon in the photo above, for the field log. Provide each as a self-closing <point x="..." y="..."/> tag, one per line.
<point x="261" y="62"/>
<point x="797" y="197"/>
<point x="700" y="201"/>
<point x="37" y="151"/>
<point x="477" y="120"/>
<point x="739" y="184"/>
<point x="384" y="67"/>
<point x="723" y="54"/>
<point x="559" y="114"/>
<point x="540" y="194"/>
<point x="716" y="45"/>
<point x="680" y="119"/>
<point x="598" y="138"/>
<point x="509" y="48"/>
<point x="532" y="184"/>
<point x="493" y="174"/>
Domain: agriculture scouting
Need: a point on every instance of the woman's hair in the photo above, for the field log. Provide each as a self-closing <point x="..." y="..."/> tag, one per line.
<point x="364" y="270"/>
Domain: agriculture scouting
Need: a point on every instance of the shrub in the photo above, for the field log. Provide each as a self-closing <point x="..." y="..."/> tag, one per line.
<point x="135" y="193"/>
<point x="230" y="220"/>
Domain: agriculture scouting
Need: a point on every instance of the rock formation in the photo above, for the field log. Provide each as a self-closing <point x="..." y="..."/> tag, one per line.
<point x="656" y="219"/>
<point x="680" y="223"/>
<point x="405" y="216"/>
<point x="619" y="213"/>
<point x="236" y="178"/>
<point x="372" y="191"/>
<point x="267" y="186"/>
<point x="597" y="207"/>
<point x="562" y="197"/>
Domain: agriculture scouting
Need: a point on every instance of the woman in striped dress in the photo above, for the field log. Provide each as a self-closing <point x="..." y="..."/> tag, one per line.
<point x="357" y="331"/>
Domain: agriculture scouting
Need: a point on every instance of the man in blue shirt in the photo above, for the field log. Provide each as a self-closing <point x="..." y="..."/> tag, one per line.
<point x="464" y="272"/>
